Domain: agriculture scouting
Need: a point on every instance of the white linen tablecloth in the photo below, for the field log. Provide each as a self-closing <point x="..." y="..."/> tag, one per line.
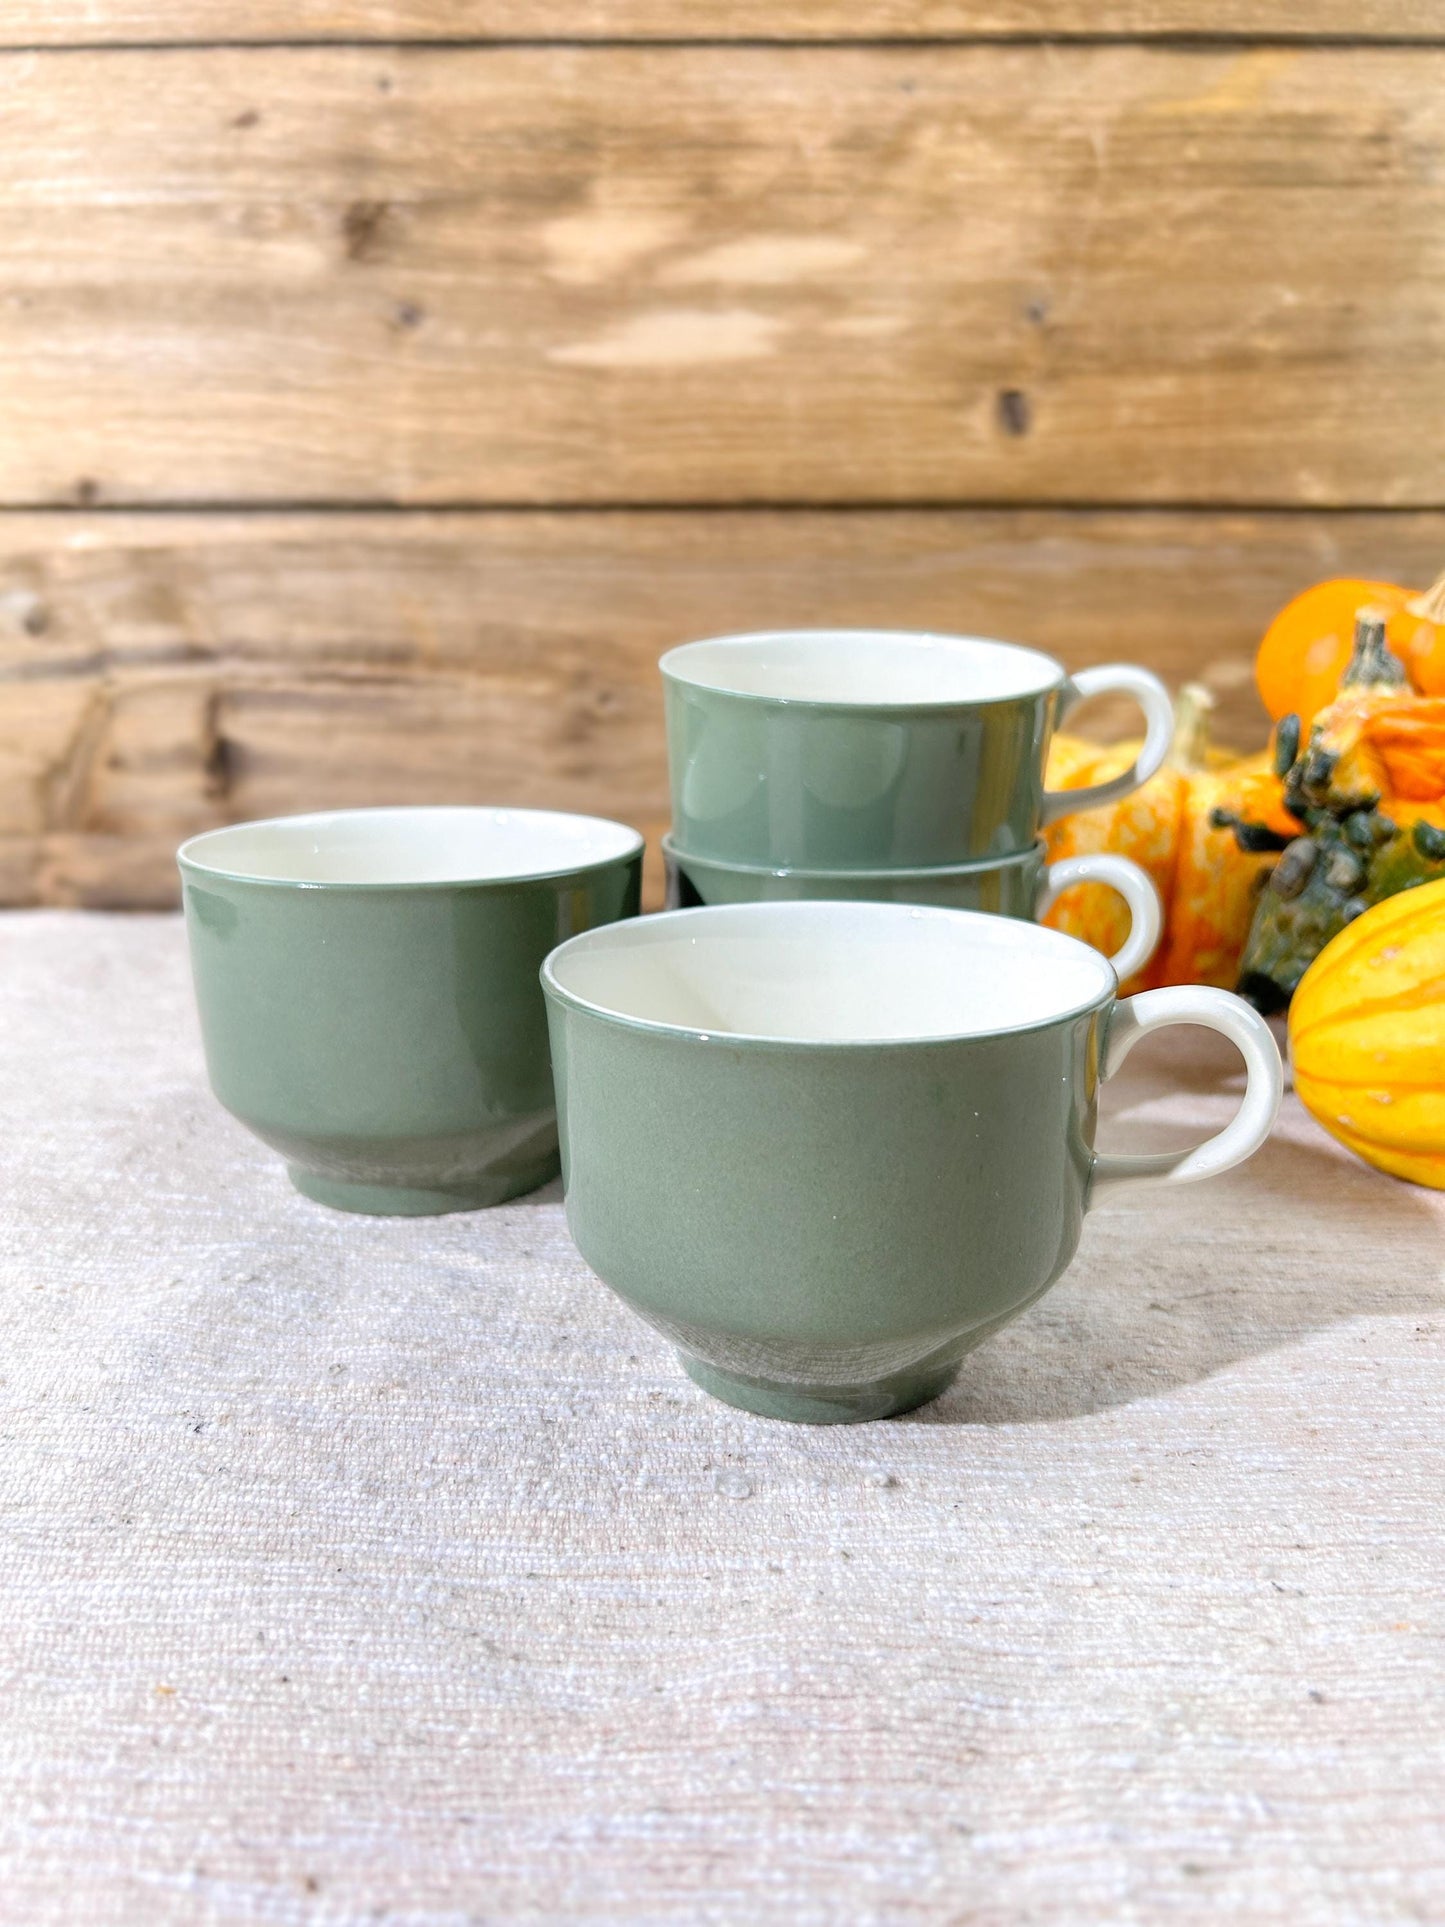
<point x="389" y="1570"/>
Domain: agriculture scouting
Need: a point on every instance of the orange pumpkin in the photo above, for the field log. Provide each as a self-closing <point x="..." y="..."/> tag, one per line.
<point x="1367" y="1036"/>
<point x="1307" y="648"/>
<point x="1206" y="883"/>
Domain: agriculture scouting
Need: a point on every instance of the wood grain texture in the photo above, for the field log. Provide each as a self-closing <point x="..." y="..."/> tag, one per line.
<point x="162" y="673"/>
<point x="69" y="22"/>
<point x="1025" y="273"/>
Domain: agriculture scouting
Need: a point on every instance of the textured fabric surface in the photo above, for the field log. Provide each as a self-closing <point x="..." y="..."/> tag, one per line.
<point x="363" y="1570"/>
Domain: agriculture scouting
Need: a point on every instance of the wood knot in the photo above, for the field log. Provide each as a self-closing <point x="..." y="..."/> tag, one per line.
<point x="24" y="610"/>
<point x="361" y="227"/>
<point x="1015" y="411"/>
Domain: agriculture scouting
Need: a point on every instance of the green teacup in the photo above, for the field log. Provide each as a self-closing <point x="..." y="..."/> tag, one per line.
<point x="868" y="749"/>
<point x="827" y="1148"/>
<point x="367" y="984"/>
<point x="1016" y="886"/>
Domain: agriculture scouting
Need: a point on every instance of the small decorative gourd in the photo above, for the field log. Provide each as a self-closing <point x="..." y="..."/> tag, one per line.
<point x="1206" y="884"/>
<point x="1367" y="1036"/>
<point x="1366" y="797"/>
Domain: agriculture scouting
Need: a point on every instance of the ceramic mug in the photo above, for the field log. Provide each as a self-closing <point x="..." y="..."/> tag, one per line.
<point x="865" y="749"/>
<point x="1016" y="886"/>
<point x="367" y="985"/>
<point x="827" y="1148"/>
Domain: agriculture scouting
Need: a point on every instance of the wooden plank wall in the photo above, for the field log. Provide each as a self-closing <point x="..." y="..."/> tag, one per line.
<point x="383" y="385"/>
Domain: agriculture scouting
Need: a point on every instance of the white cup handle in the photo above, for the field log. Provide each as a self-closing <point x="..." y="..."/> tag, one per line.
<point x="1135" y="886"/>
<point x="1264" y="1083"/>
<point x="1120" y="678"/>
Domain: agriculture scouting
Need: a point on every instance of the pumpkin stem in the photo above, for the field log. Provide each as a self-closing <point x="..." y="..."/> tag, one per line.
<point x="1190" y="748"/>
<point x="1286" y="744"/>
<point x="1372" y="663"/>
<point x="1250" y="837"/>
<point x="1430" y="605"/>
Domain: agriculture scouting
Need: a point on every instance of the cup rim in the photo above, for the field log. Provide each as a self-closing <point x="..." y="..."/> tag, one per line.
<point x="671" y="660"/>
<point x="1037" y="851"/>
<point x="643" y="930"/>
<point x="192" y="860"/>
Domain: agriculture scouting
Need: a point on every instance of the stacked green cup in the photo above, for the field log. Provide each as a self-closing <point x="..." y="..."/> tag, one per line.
<point x="882" y="765"/>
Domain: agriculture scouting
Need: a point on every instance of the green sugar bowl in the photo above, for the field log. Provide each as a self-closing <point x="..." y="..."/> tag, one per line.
<point x="368" y="991"/>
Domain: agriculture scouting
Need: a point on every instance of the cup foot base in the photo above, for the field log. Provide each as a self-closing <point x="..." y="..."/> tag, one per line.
<point x="821" y="1405"/>
<point x="408" y="1201"/>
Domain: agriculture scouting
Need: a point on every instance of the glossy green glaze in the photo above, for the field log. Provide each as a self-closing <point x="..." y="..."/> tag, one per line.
<point x="858" y="749"/>
<point x="1010" y="887"/>
<point x="389" y="1040"/>
<point x="819" y="786"/>
<point x="823" y="1230"/>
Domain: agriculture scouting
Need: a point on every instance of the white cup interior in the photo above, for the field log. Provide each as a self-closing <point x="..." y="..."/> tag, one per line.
<point x="830" y="973"/>
<point x="879" y="668"/>
<point x="411" y="846"/>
